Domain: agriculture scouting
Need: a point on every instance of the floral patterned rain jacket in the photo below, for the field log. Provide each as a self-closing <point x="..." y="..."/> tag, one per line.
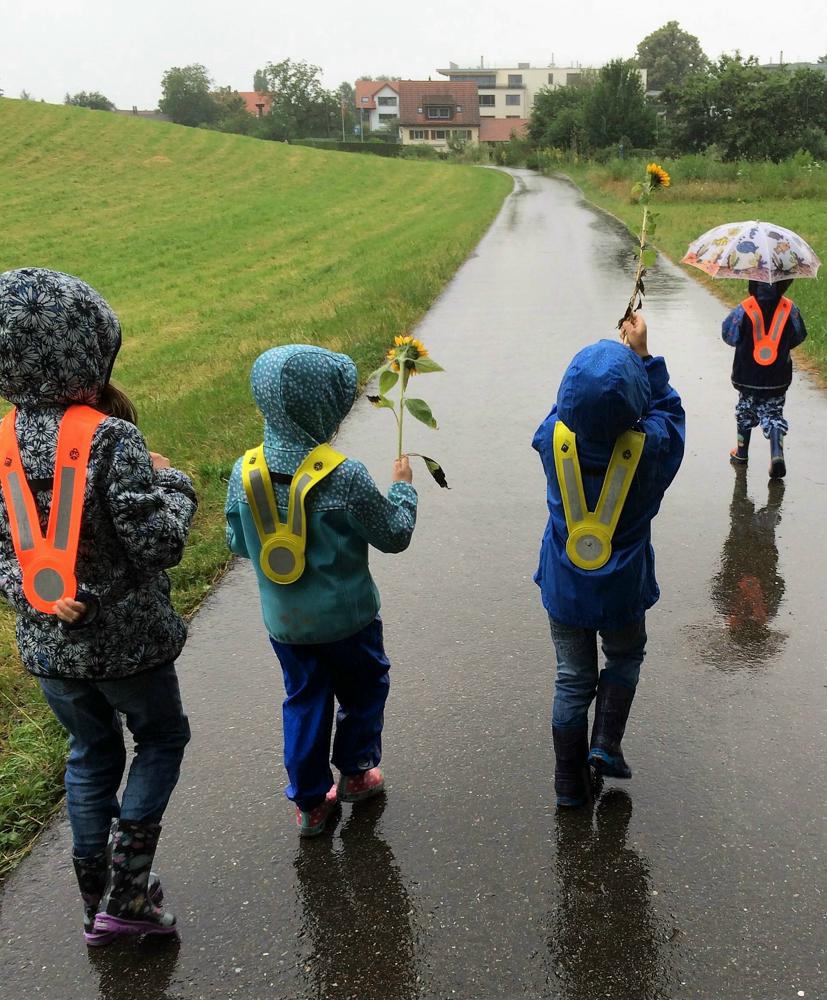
<point x="58" y="342"/>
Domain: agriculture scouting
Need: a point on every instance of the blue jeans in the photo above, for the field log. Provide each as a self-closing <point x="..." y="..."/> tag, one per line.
<point x="354" y="671"/>
<point x="151" y="703"/>
<point x="577" y="668"/>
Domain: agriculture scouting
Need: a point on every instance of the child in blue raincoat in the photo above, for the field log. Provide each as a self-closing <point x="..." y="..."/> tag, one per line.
<point x="323" y="624"/>
<point x="608" y="389"/>
<point x="766" y="322"/>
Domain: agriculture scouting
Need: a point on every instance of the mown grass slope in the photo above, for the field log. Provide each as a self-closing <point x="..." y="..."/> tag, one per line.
<point x="211" y="248"/>
<point x="704" y="194"/>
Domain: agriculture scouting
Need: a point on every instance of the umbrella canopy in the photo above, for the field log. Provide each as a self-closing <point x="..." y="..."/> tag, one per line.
<point x="755" y="251"/>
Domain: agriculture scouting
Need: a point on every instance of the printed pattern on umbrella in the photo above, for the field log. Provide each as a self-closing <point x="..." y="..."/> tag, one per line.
<point x="755" y="251"/>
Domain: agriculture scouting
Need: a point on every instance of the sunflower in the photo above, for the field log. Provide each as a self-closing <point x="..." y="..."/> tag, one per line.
<point x="407" y="349"/>
<point x="658" y="177"/>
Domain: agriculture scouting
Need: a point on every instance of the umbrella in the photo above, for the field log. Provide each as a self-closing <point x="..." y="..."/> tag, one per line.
<point x="755" y="251"/>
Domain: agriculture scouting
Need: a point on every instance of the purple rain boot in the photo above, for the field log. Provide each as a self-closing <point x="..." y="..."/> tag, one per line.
<point x="129" y="906"/>
<point x="93" y="877"/>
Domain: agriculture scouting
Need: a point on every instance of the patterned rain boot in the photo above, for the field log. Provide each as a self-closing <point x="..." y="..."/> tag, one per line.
<point x="778" y="468"/>
<point x="571" y="767"/>
<point x="740" y="455"/>
<point x="93" y="878"/>
<point x="314" y="822"/>
<point x="356" y="787"/>
<point x="610" y="715"/>
<point x="129" y="906"/>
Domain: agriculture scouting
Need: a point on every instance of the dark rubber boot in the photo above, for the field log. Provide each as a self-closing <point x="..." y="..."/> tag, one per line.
<point x="129" y="907"/>
<point x="571" y="770"/>
<point x="92" y="875"/>
<point x="778" y="468"/>
<point x="610" y="714"/>
<point x="740" y="455"/>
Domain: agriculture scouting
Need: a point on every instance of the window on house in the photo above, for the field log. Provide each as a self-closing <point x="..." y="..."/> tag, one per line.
<point x="439" y="112"/>
<point x="512" y="116"/>
<point x="461" y="133"/>
<point x="487" y="100"/>
<point x="481" y="81"/>
<point x="418" y="133"/>
<point x="365" y="100"/>
<point x="572" y="78"/>
<point x="438" y="133"/>
<point x="512" y="99"/>
<point x="387" y="102"/>
<point x="515" y="79"/>
<point x="459" y="108"/>
<point x="550" y="78"/>
<point x="387" y="118"/>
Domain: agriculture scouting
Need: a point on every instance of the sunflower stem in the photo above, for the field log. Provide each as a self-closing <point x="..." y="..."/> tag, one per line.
<point x="631" y="307"/>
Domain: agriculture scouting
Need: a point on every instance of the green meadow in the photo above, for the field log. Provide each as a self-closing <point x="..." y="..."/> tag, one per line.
<point x="705" y="193"/>
<point x="211" y="248"/>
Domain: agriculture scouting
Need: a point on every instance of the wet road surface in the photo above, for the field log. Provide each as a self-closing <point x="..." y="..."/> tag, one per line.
<point x="702" y="877"/>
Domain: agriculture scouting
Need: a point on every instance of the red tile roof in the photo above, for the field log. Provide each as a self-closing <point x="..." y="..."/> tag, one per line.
<point x="369" y="89"/>
<point x="500" y="129"/>
<point x="416" y="95"/>
<point x="252" y="99"/>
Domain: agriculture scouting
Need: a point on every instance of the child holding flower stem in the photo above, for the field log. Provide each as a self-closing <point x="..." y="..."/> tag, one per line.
<point x="656" y="177"/>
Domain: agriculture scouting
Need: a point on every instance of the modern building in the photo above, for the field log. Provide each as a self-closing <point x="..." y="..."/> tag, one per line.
<point x="377" y="104"/>
<point x="432" y="112"/>
<point x="509" y="92"/>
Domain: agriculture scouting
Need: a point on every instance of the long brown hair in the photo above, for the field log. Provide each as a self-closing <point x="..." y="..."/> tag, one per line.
<point x="114" y="402"/>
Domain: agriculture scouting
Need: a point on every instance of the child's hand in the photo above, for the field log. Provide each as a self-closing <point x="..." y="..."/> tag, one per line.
<point x="70" y="611"/>
<point x="402" y="470"/>
<point x="158" y="461"/>
<point x="633" y="333"/>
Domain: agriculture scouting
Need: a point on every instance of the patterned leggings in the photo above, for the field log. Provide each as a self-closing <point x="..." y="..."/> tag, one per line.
<point x="768" y="411"/>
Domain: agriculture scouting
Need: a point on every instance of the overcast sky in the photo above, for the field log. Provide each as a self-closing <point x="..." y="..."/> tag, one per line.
<point x="122" y="49"/>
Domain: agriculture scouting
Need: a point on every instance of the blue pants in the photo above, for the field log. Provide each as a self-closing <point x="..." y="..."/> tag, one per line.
<point x="577" y="669"/>
<point x="354" y="671"/>
<point x="151" y="703"/>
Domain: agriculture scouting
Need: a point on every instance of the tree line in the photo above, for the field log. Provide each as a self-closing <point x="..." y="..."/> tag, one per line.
<point x="734" y="107"/>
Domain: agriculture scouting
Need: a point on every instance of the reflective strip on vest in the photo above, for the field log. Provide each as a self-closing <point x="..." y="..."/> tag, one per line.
<point x="283" y="546"/>
<point x="765" y="345"/>
<point x="48" y="564"/>
<point x="590" y="533"/>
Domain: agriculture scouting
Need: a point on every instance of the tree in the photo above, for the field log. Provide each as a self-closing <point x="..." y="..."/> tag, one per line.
<point x="25" y="96"/>
<point x="347" y="102"/>
<point x="186" y="95"/>
<point x="93" y="99"/>
<point x="231" y="112"/>
<point x="670" y="55"/>
<point x="260" y="81"/>
<point x="616" y="108"/>
<point x="558" y="117"/>
<point x="301" y="107"/>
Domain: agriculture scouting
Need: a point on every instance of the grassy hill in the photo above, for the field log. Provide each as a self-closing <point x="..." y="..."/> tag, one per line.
<point x="211" y="248"/>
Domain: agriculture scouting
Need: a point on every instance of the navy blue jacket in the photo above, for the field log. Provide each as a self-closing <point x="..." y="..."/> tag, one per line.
<point x="606" y="390"/>
<point x="747" y="375"/>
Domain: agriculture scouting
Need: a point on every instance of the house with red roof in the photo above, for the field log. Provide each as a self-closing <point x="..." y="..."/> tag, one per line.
<point x="377" y="104"/>
<point x="433" y="112"/>
<point x="257" y="104"/>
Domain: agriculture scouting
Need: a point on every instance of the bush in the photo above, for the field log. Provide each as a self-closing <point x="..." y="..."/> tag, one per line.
<point x="377" y="148"/>
<point x="418" y="153"/>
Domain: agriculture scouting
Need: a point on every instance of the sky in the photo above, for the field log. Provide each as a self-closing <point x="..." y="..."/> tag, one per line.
<point x="52" y="47"/>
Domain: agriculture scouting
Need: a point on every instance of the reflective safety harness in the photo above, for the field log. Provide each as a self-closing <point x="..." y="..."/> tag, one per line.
<point x="48" y="564"/>
<point x="283" y="546"/>
<point x="765" y="345"/>
<point x="589" y="544"/>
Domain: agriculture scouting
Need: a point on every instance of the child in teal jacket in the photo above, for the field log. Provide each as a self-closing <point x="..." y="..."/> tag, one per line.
<point x="324" y="626"/>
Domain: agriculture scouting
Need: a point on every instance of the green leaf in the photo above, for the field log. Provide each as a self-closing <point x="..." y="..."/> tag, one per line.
<point x="387" y="380"/>
<point x="419" y="408"/>
<point x="434" y="468"/>
<point x="380" y="402"/>
<point x="378" y="372"/>
<point x="649" y="257"/>
<point x="424" y="365"/>
<point x="652" y="228"/>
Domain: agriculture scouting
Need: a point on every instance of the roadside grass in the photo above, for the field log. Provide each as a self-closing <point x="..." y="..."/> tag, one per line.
<point x="705" y="193"/>
<point x="211" y="248"/>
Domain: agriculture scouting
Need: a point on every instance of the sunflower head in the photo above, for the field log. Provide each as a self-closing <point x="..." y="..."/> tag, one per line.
<point x="406" y="350"/>
<point x="658" y="177"/>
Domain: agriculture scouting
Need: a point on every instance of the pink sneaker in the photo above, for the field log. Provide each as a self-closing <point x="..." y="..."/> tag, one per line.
<point x="312" y="823"/>
<point x="356" y="787"/>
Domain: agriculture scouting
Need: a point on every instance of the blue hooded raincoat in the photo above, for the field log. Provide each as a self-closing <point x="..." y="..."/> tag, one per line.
<point x="304" y="394"/>
<point x="606" y="390"/>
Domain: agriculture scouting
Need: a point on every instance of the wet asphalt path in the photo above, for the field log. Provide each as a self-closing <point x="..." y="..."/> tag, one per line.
<point x="703" y="877"/>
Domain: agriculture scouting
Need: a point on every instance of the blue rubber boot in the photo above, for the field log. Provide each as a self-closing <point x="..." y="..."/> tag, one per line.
<point x="740" y="455"/>
<point x="610" y="715"/>
<point x="571" y="770"/>
<point x="778" y="468"/>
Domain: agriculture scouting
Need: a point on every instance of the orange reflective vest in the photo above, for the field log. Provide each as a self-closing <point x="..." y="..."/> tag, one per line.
<point x="765" y="345"/>
<point x="48" y="564"/>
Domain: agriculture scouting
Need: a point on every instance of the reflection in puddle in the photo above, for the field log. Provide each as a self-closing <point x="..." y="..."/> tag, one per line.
<point x="747" y="590"/>
<point x="357" y="913"/>
<point x="605" y="940"/>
